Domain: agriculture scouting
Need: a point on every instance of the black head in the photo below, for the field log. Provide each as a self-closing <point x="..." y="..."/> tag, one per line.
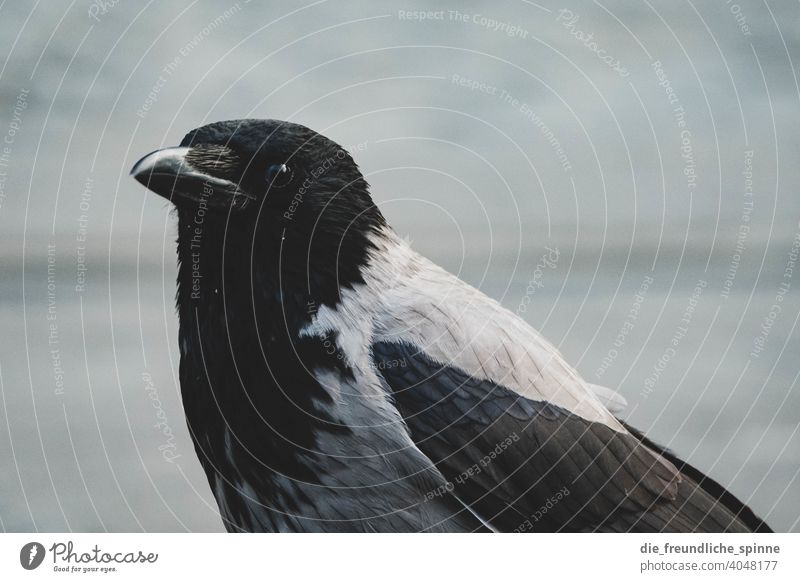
<point x="239" y="169"/>
<point x="265" y="188"/>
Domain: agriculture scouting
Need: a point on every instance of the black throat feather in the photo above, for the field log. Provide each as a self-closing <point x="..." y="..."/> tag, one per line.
<point x="245" y="290"/>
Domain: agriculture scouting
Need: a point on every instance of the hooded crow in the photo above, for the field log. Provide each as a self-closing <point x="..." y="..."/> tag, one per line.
<point x="335" y="380"/>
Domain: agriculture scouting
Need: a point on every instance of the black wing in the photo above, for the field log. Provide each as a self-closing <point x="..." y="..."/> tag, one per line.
<point x="523" y="465"/>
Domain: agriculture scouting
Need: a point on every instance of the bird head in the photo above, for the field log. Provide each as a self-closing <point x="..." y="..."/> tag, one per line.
<point x="272" y="171"/>
<point x="264" y="193"/>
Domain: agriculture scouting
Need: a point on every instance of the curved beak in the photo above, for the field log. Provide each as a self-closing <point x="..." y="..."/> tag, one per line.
<point x="168" y="173"/>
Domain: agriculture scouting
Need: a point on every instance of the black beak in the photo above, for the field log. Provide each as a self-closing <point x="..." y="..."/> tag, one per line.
<point x="168" y="173"/>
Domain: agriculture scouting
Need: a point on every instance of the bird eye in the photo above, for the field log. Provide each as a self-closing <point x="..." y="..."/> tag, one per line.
<point x="279" y="175"/>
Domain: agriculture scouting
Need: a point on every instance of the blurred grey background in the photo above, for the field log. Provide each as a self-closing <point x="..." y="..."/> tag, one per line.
<point x="623" y="175"/>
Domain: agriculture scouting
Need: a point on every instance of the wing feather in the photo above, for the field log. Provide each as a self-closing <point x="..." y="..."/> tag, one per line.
<point x="508" y="456"/>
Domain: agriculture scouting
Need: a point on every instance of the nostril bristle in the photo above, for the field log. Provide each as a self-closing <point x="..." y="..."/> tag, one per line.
<point x="218" y="160"/>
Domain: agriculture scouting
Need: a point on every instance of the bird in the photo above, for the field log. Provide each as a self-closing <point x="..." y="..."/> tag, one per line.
<point x="335" y="380"/>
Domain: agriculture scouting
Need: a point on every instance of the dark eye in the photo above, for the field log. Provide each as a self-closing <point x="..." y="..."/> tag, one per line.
<point x="279" y="175"/>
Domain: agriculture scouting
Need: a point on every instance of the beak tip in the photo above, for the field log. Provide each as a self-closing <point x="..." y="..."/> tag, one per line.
<point x="137" y="168"/>
<point x="167" y="160"/>
<point x="138" y="175"/>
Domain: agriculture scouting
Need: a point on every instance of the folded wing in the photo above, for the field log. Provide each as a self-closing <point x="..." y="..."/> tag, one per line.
<point x="526" y="443"/>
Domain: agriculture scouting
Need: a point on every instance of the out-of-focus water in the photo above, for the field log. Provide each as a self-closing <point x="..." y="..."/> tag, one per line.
<point x="492" y="133"/>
